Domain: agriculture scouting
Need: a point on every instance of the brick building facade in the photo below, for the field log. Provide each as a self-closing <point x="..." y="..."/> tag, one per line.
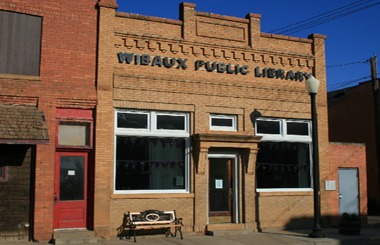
<point x="347" y="108"/>
<point x="205" y="115"/>
<point x="223" y="89"/>
<point x="47" y="77"/>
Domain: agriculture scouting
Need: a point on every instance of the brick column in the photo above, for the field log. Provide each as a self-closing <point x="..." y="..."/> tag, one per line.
<point x="104" y="121"/>
<point x="201" y="193"/>
<point x="249" y="200"/>
<point x="187" y="15"/>
<point x="254" y="28"/>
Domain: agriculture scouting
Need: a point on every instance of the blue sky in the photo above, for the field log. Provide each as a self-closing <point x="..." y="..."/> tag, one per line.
<point x="353" y="38"/>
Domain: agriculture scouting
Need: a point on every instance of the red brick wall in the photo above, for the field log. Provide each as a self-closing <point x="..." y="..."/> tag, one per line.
<point x="346" y="113"/>
<point x="67" y="79"/>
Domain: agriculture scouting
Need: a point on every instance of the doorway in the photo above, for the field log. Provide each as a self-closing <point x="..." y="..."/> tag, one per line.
<point x="70" y="190"/>
<point x="348" y="191"/>
<point x="223" y="189"/>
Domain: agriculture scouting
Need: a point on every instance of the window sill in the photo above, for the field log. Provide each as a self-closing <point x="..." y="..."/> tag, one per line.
<point x="152" y="196"/>
<point x="20" y="77"/>
<point x="285" y="193"/>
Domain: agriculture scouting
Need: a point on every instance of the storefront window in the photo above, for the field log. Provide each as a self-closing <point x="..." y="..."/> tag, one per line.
<point x="154" y="160"/>
<point x="284" y="157"/>
<point x="150" y="163"/>
<point x="283" y="165"/>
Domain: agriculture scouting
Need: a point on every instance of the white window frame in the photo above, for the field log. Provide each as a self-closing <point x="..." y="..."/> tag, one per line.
<point x="224" y="128"/>
<point x="154" y="132"/>
<point x="283" y="136"/>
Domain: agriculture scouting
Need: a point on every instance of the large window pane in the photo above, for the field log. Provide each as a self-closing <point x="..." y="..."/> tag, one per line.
<point x="268" y="127"/>
<point x="283" y="165"/>
<point x="170" y="122"/>
<point x="71" y="178"/>
<point x="20" y="43"/>
<point x="132" y="120"/>
<point x="74" y="133"/>
<point x="297" y="128"/>
<point x="150" y="163"/>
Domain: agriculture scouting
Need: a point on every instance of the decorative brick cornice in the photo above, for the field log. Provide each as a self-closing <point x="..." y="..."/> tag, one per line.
<point x="165" y="46"/>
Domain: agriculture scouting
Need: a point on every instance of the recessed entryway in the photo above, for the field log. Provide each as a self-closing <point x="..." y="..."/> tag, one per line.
<point x="223" y="189"/>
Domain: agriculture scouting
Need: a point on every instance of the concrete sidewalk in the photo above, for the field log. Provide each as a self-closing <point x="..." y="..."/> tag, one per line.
<point x="369" y="235"/>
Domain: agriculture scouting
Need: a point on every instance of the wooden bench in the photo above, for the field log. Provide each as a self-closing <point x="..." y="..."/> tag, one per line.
<point x="135" y="222"/>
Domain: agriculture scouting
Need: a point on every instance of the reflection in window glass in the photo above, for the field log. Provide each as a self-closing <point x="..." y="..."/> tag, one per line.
<point x="132" y="120"/>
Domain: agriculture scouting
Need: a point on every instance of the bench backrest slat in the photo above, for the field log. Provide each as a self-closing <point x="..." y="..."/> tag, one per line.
<point x="151" y="217"/>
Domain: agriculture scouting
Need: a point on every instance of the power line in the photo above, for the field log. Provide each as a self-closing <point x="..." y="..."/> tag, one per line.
<point x="346" y="83"/>
<point x="326" y="17"/>
<point x="318" y="16"/>
<point x="333" y="18"/>
<point x="346" y="64"/>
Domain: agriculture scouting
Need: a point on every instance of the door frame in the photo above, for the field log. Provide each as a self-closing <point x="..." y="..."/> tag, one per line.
<point x="57" y="184"/>
<point x="235" y="183"/>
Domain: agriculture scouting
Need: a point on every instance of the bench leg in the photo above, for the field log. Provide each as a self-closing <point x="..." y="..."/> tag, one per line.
<point x="179" y="229"/>
<point x="134" y="235"/>
<point x="180" y="232"/>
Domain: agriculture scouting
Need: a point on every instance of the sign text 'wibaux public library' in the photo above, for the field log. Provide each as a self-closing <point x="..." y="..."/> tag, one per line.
<point x="178" y="63"/>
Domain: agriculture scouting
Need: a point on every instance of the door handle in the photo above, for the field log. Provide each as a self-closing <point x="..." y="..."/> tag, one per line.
<point x="340" y="196"/>
<point x="55" y="198"/>
<point x="230" y="193"/>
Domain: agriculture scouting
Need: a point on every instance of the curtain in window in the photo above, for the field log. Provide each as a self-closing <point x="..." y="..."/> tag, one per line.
<point x="150" y="163"/>
<point x="166" y="157"/>
<point x="283" y="165"/>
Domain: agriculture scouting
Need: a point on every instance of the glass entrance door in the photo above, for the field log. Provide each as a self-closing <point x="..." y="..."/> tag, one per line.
<point x="221" y="190"/>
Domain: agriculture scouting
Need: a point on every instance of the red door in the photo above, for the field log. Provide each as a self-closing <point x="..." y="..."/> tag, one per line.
<point x="70" y="190"/>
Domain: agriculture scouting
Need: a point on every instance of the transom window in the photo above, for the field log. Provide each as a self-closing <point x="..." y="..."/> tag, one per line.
<point x="152" y="152"/>
<point x="284" y="156"/>
<point x="223" y="122"/>
<point x="74" y="133"/>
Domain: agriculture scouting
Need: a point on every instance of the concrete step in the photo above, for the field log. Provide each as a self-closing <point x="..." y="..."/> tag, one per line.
<point x="14" y="235"/>
<point x="225" y="229"/>
<point x="228" y="232"/>
<point x="74" y="237"/>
